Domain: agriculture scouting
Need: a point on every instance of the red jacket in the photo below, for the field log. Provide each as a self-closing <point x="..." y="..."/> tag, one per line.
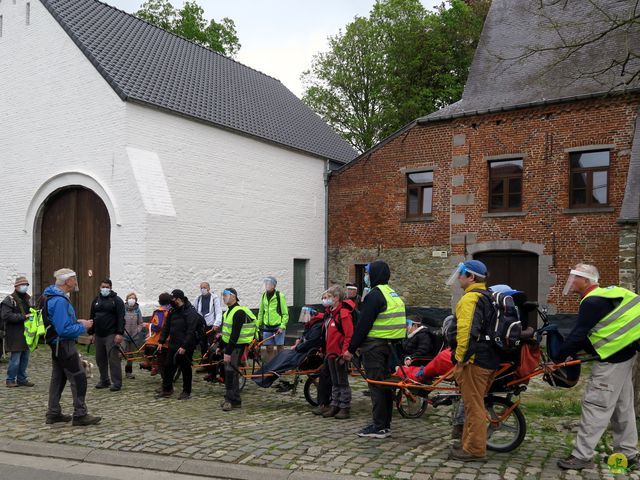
<point x="337" y="341"/>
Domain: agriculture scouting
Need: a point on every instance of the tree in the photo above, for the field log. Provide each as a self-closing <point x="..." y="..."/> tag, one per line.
<point x="394" y="66"/>
<point x="189" y="22"/>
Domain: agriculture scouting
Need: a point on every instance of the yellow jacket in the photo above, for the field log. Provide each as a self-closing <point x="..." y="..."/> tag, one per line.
<point x="465" y="314"/>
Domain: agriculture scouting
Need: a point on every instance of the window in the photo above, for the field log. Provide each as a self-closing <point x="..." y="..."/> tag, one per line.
<point x="589" y="179"/>
<point x="505" y="185"/>
<point x="419" y="194"/>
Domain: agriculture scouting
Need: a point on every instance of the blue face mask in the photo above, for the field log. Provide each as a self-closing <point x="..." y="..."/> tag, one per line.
<point x="105" y="292"/>
<point x="327" y="302"/>
<point x="367" y="280"/>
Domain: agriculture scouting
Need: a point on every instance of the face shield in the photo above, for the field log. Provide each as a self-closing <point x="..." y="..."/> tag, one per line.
<point x="461" y="269"/>
<point x="572" y="277"/>
<point x="306" y="314"/>
<point x="269" y="284"/>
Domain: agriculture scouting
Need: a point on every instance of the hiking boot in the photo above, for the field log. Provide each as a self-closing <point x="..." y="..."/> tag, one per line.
<point x="371" y="431"/>
<point x="456" y="432"/>
<point x="462" y="456"/>
<point x="573" y="463"/>
<point x="58" y="419"/>
<point x="320" y="409"/>
<point x="101" y="385"/>
<point x="331" y="412"/>
<point x="12" y="384"/>
<point x="343" y="413"/>
<point x="115" y="388"/>
<point x="184" y="396"/>
<point x="86" y="421"/>
<point x="227" y="407"/>
<point x="26" y="384"/>
<point x="164" y="394"/>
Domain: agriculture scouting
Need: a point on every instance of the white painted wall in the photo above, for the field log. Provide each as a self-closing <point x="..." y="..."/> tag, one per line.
<point x="224" y="207"/>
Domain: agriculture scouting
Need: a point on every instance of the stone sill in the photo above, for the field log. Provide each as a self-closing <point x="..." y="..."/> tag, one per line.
<point x="577" y="211"/>
<point x="417" y="219"/>
<point x="504" y="214"/>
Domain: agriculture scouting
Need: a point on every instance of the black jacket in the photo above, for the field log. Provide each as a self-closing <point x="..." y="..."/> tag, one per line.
<point x="180" y="327"/>
<point x="13" y="319"/>
<point x="372" y="305"/>
<point x="592" y="310"/>
<point x="419" y="344"/>
<point x="107" y="314"/>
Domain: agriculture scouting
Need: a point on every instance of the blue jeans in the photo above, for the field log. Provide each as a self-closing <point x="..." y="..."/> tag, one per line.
<point x="18" y="364"/>
<point x="277" y="340"/>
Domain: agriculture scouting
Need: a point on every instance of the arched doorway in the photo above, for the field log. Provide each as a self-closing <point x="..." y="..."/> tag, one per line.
<point x="73" y="230"/>
<point x="515" y="268"/>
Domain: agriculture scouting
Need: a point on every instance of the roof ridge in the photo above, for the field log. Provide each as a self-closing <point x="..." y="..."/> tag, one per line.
<point x="184" y="39"/>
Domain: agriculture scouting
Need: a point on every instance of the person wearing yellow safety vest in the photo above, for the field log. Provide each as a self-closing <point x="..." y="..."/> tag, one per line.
<point x="14" y="311"/>
<point x="238" y="330"/>
<point x="273" y="317"/>
<point x="608" y="326"/>
<point x="382" y="322"/>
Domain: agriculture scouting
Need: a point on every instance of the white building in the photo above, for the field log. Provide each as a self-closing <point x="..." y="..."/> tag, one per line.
<point x="128" y="152"/>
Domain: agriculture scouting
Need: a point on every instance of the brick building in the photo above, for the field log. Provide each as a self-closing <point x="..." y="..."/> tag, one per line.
<point x="536" y="168"/>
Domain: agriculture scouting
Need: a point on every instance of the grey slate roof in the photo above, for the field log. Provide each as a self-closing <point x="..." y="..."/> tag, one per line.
<point x="148" y="65"/>
<point x="630" y="211"/>
<point x="504" y="76"/>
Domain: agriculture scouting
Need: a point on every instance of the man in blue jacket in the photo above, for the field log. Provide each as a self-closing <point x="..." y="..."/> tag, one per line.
<point x="62" y="335"/>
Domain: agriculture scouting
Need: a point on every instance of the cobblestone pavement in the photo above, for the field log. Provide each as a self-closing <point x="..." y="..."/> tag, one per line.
<point x="275" y="430"/>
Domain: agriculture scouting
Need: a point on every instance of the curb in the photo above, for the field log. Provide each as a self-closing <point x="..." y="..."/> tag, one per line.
<point x="163" y="463"/>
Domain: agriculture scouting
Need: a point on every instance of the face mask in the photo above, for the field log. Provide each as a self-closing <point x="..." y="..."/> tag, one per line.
<point x="204" y="291"/>
<point x="22" y="288"/>
<point x="367" y="280"/>
<point x="174" y="304"/>
<point x="327" y="302"/>
<point x="131" y="302"/>
<point x="105" y="292"/>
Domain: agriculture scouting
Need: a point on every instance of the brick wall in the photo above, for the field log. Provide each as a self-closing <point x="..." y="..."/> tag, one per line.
<point x="372" y="192"/>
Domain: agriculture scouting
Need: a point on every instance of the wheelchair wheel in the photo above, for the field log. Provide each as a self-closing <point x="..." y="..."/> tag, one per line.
<point x="410" y="405"/>
<point x="311" y="390"/>
<point x="508" y="434"/>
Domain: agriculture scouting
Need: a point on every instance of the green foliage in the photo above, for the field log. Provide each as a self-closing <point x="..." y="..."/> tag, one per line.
<point x="189" y="23"/>
<point x="399" y="63"/>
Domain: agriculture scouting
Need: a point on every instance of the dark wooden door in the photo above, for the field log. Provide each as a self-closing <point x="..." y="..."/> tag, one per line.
<point x="519" y="270"/>
<point x="75" y="233"/>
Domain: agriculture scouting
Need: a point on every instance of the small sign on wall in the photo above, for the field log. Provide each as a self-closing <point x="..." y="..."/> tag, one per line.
<point x="439" y="253"/>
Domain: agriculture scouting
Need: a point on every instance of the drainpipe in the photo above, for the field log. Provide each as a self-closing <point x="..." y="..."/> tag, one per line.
<point x="326" y="224"/>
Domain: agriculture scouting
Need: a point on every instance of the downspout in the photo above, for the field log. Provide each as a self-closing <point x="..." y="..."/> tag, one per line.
<point x="327" y="171"/>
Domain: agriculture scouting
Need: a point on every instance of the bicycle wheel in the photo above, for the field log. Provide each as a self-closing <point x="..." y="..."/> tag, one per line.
<point x="311" y="390"/>
<point x="410" y="405"/>
<point x="508" y="434"/>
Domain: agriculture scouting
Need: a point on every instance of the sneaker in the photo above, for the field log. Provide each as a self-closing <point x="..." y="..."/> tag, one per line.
<point x="320" y="409"/>
<point x="227" y="407"/>
<point x="184" y="396"/>
<point x="343" y="414"/>
<point x="101" y="385"/>
<point x="86" y="420"/>
<point x="115" y="388"/>
<point x="371" y="431"/>
<point x="331" y="412"/>
<point x="26" y="384"/>
<point x="130" y="376"/>
<point x="12" y="384"/>
<point x="573" y="463"/>
<point x="462" y="456"/>
<point x="58" y="419"/>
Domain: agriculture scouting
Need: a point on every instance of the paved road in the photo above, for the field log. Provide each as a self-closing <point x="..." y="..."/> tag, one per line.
<point x="274" y="430"/>
<point x="23" y="467"/>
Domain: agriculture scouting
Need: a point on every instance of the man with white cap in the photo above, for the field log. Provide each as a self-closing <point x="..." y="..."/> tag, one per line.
<point x="273" y="316"/>
<point x="62" y="332"/>
<point x="608" y="326"/>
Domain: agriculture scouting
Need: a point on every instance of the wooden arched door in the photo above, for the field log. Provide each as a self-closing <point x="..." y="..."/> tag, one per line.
<point x="75" y="232"/>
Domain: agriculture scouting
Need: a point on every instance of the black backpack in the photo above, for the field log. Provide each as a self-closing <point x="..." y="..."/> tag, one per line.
<point x="50" y="333"/>
<point x="504" y="328"/>
<point x="201" y="328"/>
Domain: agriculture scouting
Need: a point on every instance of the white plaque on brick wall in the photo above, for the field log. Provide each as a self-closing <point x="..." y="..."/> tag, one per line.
<point x="439" y="253"/>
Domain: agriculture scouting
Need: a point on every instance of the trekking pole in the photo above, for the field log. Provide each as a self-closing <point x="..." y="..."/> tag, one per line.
<point x="131" y="338"/>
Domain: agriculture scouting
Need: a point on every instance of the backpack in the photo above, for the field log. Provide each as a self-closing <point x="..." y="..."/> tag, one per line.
<point x="50" y="333"/>
<point x="201" y="329"/>
<point x="503" y="328"/>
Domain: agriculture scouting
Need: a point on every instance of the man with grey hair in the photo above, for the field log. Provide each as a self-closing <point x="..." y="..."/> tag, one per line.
<point x="63" y="329"/>
<point x="604" y="328"/>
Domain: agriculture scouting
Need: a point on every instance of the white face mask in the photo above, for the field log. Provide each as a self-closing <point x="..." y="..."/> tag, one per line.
<point x="204" y="291"/>
<point x="131" y="302"/>
<point x="22" y="288"/>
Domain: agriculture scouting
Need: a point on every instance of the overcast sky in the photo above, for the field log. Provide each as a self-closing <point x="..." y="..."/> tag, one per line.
<point x="279" y="37"/>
